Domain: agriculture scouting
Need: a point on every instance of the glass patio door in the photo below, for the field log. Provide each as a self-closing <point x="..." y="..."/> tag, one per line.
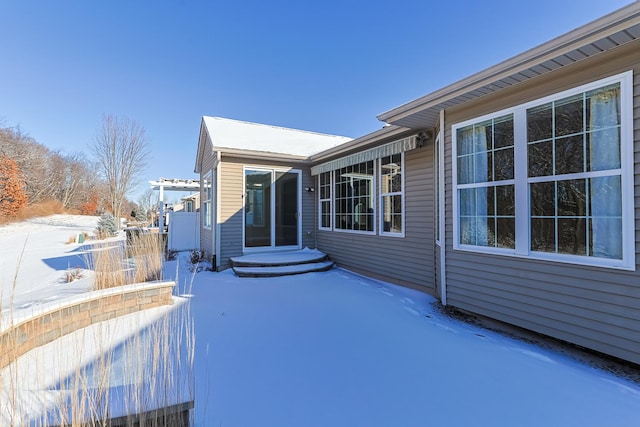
<point x="271" y="208"/>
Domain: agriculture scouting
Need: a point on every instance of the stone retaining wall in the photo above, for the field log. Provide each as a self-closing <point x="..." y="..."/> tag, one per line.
<point x="51" y="321"/>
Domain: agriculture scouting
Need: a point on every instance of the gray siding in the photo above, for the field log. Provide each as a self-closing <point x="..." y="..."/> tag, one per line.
<point x="206" y="235"/>
<point x="232" y="200"/>
<point x="598" y="308"/>
<point x="308" y="209"/>
<point x="408" y="261"/>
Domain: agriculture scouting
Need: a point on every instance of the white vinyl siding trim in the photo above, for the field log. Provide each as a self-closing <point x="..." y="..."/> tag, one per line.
<point x="207" y="213"/>
<point x="389" y="195"/>
<point x="325" y="200"/>
<point x="354" y="201"/>
<point x="522" y="181"/>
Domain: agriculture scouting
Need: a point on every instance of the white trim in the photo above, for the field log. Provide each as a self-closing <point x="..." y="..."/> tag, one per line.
<point x="382" y="195"/>
<point x="439" y="141"/>
<point x="373" y="204"/>
<point x="330" y="200"/>
<point x="207" y="187"/>
<point x="216" y="234"/>
<point x="522" y="181"/>
<point x="272" y="246"/>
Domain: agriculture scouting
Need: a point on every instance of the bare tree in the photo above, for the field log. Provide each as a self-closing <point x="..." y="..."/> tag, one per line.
<point x="122" y="154"/>
<point x="148" y="203"/>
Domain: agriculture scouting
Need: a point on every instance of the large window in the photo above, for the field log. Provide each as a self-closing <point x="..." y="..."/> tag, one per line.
<point x="354" y="206"/>
<point x="550" y="179"/>
<point x="324" y="198"/>
<point x="486" y="194"/>
<point x="206" y="201"/>
<point x="392" y="195"/>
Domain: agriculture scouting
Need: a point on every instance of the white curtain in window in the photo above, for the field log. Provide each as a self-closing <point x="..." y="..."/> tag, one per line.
<point x="472" y="168"/>
<point x="605" y="193"/>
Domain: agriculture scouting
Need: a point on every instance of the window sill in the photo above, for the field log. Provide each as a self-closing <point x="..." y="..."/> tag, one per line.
<point x="574" y="260"/>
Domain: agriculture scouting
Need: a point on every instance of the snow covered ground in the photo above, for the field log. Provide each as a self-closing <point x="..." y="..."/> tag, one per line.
<point x="339" y="349"/>
<point x="34" y="256"/>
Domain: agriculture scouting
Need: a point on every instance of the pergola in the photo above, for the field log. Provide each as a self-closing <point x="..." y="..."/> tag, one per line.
<point x="171" y="184"/>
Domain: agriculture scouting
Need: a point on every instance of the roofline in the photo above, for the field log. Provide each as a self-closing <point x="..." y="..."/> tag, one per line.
<point x="200" y="149"/>
<point x="609" y="24"/>
<point x="283" y="128"/>
<point x="252" y="154"/>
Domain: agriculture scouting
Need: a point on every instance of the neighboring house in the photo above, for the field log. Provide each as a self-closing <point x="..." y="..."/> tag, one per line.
<point x="513" y="194"/>
<point x="190" y="203"/>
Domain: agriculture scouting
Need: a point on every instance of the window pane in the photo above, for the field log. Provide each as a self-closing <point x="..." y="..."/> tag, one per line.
<point x="570" y="155"/>
<point x="542" y="199"/>
<point x="606" y="196"/>
<point x="396" y="183"/>
<point x="605" y="238"/>
<point x="506" y="233"/>
<point x="603" y="149"/>
<point x="482" y="140"/>
<point x="503" y="132"/>
<point x="392" y="214"/>
<point x="464" y="138"/>
<point x="539" y="123"/>
<point x="503" y="164"/>
<point x="483" y="206"/>
<point x="481" y="167"/>
<point x="465" y="170"/>
<point x="572" y="236"/>
<point x="606" y="210"/>
<point x="505" y="200"/>
<point x="475" y="231"/>
<point x="569" y="116"/>
<point x="491" y="201"/>
<point x="572" y="198"/>
<point x="543" y="234"/>
<point x="540" y="156"/>
<point x="603" y="107"/>
<point x="325" y="207"/>
<point x="467" y="231"/>
<point x="468" y="202"/>
<point x="488" y="239"/>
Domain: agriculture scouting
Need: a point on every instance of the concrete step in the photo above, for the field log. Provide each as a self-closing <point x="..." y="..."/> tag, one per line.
<point x="282" y="270"/>
<point x="276" y="259"/>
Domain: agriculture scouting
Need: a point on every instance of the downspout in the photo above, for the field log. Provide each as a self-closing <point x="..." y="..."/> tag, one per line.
<point x="216" y="166"/>
<point x="441" y="207"/>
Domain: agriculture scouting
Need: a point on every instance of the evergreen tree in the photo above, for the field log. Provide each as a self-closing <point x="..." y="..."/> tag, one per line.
<point x="107" y="225"/>
<point x="140" y="215"/>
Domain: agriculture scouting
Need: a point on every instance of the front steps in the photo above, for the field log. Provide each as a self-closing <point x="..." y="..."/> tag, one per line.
<point x="275" y="264"/>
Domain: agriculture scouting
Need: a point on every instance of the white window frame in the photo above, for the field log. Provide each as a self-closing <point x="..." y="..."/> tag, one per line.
<point x="321" y="200"/>
<point x="207" y="191"/>
<point x="382" y="195"/>
<point x="522" y="180"/>
<point x="373" y="203"/>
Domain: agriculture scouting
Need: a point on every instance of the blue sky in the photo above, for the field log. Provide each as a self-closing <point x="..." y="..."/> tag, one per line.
<point x="326" y="66"/>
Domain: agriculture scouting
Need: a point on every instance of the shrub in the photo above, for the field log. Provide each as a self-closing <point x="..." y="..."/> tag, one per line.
<point x="12" y="193"/>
